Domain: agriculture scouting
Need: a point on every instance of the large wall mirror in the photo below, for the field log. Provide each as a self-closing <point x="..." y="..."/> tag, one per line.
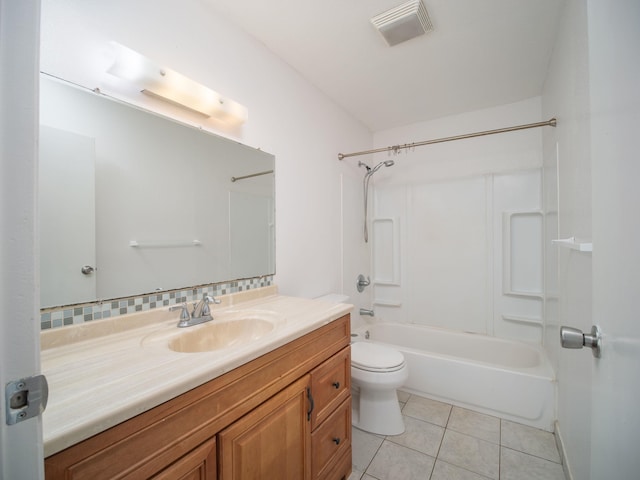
<point x="132" y="202"/>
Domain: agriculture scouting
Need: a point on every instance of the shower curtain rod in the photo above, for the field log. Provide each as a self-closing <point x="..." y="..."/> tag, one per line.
<point x="396" y="148"/>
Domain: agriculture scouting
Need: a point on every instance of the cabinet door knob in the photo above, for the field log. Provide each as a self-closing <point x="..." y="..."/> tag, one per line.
<point x="336" y="441"/>
<point x="336" y="385"/>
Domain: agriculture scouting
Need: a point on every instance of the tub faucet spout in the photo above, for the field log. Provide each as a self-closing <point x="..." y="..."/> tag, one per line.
<point x="365" y="311"/>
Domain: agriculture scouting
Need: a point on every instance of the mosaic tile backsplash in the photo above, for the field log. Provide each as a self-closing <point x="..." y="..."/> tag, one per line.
<point x="74" y="314"/>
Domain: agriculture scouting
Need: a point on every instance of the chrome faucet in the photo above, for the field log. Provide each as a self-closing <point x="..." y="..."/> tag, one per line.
<point x="364" y="311"/>
<point x="201" y="312"/>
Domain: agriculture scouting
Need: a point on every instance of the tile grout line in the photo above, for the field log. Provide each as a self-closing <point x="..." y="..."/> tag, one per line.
<point x="500" y="449"/>
<point x="446" y="426"/>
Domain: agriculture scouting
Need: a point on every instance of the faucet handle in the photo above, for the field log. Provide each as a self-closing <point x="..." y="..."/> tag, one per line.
<point x="211" y="299"/>
<point x="208" y="299"/>
<point x="184" y="313"/>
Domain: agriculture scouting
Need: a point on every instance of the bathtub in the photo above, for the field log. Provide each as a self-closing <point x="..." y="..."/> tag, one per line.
<point x="504" y="378"/>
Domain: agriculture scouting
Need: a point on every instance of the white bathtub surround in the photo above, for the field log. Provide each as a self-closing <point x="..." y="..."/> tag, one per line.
<point x="457" y="238"/>
<point x="508" y="379"/>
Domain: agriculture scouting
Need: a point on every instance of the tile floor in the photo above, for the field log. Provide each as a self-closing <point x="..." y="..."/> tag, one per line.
<point x="442" y="442"/>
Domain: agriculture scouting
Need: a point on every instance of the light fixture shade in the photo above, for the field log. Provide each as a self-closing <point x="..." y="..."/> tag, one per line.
<point x="403" y="22"/>
<point x="173" y="87"/>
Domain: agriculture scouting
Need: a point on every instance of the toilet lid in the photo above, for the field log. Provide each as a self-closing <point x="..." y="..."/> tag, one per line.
<point x="370" y="356"/>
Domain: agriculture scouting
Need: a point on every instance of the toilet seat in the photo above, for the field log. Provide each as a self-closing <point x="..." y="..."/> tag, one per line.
<point x="375" y="358"/>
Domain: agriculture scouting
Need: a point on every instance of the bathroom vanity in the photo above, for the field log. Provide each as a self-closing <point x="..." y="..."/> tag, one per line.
<point x="277" y="407"/>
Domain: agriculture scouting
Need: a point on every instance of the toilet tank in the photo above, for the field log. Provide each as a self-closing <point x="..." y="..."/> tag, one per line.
<point x="334" y="298"/>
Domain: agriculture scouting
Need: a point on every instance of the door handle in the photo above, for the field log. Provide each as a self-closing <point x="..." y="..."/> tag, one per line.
<point x="87" y="270"/>
<point x="574" y="338"/>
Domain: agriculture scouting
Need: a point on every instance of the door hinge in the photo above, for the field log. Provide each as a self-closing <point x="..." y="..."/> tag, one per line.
<point x="26" y="398"/>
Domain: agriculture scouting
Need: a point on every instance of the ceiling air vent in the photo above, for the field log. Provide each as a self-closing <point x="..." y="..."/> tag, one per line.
<point x="403" y="22"/>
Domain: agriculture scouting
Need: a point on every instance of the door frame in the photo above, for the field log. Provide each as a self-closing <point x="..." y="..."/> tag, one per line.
<point x="21" y="446"/>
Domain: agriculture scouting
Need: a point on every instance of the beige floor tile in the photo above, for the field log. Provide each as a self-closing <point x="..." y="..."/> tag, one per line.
<point x="403" y="396"/>
<point x="395" y="462"/>
<point x="427" y="410"/>
<point x="469" y="447"/>
<point x="363" y="448"/>
<point x="475" y="424"/>
<point x="446" y="471"/>
<point x="520" y="466"/>
<point x="355" y="475"/>
<point x="530" y="440"/>
<point x="470" y="453"/>
<point x="419" y="435"/>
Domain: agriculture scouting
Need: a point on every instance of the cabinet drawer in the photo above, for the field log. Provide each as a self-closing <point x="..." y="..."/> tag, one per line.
<point x="330" y="385"/>
<point x="340" y="470"/>
<point x="331" y="440"/>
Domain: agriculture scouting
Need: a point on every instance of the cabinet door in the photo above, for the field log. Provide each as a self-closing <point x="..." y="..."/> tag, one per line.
<point x="272" y="441"/>
<point x="198" y="464"/>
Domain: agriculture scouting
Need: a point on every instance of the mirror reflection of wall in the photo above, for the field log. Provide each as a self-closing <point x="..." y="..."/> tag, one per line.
<point x="251" y="221"/>
<point x="164" y="185"/>
<point x="67" y="216"/>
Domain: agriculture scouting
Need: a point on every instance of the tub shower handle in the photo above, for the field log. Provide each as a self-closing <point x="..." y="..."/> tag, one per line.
<point x="362" y="283"/>
<point x="574" y="338"/>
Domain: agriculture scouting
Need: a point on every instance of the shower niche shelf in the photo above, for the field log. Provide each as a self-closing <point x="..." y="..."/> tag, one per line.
<point x="522" y="320"/>
<point x="573" y="244"/>
<point x="522" y="247"/>
<point x="387" y="303"/>
<point x="386" y="251"/>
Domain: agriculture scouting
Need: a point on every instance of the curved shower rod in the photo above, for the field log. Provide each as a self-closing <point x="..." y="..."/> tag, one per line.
<point x="396" y="148"/>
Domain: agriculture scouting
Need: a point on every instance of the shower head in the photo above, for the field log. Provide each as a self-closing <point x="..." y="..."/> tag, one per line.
<point x="365" y="183"/>
<point x="386" y="163"/>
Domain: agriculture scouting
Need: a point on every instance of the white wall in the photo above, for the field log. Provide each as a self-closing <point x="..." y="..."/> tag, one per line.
<point x="450" y="207"/>
<point x="287" y="117"/>
<point x="567" y="167"/>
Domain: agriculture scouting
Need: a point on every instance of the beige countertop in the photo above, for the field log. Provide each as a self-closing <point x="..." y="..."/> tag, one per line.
<point x="105" y="372"/>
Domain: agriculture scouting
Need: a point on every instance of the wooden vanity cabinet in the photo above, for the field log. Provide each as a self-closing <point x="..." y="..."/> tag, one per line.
<point x="285" y="415"/>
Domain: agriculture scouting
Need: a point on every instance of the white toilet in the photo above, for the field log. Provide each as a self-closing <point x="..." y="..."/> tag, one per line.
<point x="376" y="372"/>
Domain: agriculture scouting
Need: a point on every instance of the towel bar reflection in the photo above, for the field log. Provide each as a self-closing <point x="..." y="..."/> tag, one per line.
<point x="267" y="172"/>
<point x="186" y="243"/>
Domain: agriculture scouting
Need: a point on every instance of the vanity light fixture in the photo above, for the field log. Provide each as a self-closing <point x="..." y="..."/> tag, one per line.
<point x="173" y="87"/>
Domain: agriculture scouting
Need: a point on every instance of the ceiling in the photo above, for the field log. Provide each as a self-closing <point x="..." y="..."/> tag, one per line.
<point x="481" y="53"/>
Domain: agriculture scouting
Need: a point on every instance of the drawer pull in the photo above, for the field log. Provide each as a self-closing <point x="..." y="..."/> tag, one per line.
<point x="336" y="440"/>
<point x="336" y="385"/>
<point x="311" y="404"/>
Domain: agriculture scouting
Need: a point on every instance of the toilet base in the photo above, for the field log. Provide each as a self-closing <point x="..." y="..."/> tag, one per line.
<point x="377" y="412"/>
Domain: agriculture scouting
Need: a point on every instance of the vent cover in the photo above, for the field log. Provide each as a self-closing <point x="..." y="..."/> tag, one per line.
<point x="403" y="22"/>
